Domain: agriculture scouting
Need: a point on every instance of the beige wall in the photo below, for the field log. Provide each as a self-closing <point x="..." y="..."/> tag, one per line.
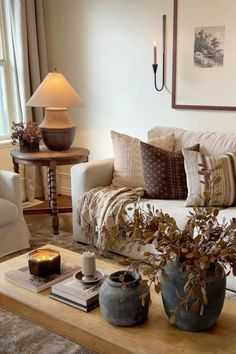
<point x="104" y="47"/>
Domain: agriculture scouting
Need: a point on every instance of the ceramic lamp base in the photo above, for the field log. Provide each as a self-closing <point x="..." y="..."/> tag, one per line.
<point x="58" y="139"/>
<point x="57" y="129"/>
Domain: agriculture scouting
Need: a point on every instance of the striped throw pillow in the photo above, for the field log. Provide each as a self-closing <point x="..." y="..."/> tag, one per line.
<point x="224" y="192"/>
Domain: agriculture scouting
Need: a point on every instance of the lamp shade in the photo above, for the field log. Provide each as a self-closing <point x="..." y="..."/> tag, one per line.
<point x="55" y="91"/>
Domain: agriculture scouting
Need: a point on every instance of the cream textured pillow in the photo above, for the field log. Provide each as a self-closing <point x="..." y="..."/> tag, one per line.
<point x="165" y="142"/>
<point x="128" y="168"/>
<point x="224" y="192"/>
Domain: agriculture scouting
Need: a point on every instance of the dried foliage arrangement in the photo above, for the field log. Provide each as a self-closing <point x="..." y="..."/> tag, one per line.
<point x="204" y="242"/>
<point x="28" y="132"/>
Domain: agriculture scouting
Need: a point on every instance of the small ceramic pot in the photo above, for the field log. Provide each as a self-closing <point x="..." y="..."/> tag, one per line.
<point x="124" y="305"/>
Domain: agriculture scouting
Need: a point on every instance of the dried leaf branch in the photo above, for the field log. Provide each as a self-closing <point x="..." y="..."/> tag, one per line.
<point x="203" y="242"/>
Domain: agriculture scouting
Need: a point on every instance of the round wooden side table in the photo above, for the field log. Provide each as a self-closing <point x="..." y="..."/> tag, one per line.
<point x="51" y="159"/>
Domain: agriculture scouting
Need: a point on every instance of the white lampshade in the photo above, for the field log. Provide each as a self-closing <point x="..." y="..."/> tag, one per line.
<point x="56" y="94"/>
<point x="55" y="91"/>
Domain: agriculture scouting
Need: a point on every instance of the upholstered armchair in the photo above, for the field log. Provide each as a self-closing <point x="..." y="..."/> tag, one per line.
<point x="14" y="232"/>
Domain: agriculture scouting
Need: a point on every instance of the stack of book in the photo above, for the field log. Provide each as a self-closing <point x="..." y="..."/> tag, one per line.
<point x="22" y="277"/>
<point x="77" y="294"/>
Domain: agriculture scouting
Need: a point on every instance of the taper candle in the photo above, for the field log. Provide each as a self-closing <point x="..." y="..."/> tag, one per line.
<point x="154" y="52"/>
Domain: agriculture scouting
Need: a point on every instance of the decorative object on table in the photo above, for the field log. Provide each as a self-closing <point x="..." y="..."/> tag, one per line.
<point x="28" y="136"/>
<point x="56" y="94"/>
<point x="44" y="262"/>
<point x="77" y="294"/>
<point x="155" y="65"/>
<point x="188" y="265"/>
<point x="181" y="307"/>
<point x="124" y="299"/>
<point x="98" y="276"/>
<point x="22" y="277"/>
<point x="88" y="266"/>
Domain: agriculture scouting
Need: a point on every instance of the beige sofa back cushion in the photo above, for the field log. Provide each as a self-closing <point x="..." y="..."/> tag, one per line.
<point x="211" y="143"/>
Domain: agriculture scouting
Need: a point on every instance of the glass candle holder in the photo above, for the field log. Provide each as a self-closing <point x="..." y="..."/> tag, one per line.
<point x="44" y="262"/>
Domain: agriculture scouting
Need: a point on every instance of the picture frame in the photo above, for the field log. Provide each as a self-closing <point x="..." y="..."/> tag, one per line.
<point x="204" y="55"/>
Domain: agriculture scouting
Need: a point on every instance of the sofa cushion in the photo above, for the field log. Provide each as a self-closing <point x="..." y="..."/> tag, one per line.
<point x="226" y="214"/>
<point x="164" y="174"/>
<point x="175" y="208"/>
<point x="212" y="143"/>
<point x="224" y="191"/>
<point x="8" y="212"/>
<point x="128" y="168"/>
<point x="165" y="142"/>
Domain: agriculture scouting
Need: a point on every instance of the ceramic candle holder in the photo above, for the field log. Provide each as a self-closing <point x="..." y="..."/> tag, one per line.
<point x="44" y="262"/>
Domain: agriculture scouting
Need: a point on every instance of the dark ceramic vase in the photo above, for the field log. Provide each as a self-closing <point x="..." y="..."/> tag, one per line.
<point x="27" y="146"/>
<point x="189" y="320"/>
<point x="123" y="306"/>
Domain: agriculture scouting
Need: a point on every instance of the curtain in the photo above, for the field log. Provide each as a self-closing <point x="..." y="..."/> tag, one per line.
<point x="29" y="55"/>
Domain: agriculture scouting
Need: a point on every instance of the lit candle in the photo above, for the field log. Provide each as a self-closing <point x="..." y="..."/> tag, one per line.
<point x="155" y="52"/>
<point x="43" y="255"/>
<point x="88" y="264"/>
<point x="44" y="261"/>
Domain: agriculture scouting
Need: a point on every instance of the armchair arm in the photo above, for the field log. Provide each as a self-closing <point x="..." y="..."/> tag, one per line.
<point x="10" y="188"/>
<point x="89" y="175"/>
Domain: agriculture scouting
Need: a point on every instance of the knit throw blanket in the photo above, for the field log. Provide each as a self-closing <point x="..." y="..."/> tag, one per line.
<point x="102" y="206"/>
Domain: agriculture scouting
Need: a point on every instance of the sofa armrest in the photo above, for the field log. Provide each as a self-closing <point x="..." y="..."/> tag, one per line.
<point x="10" y="188"/>
<point x="89" y="175"/>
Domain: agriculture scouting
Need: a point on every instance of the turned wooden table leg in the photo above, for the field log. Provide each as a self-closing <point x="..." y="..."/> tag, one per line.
<point x="15" y="166"/>
<point x="49" y="189"/>
<point x="53" y="187"/>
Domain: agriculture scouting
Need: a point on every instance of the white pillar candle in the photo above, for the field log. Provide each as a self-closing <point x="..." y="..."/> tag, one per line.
<point x="88" y="263"/>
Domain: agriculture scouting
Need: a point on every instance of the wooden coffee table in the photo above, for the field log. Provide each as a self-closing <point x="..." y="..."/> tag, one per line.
<point x="155" y="336"/>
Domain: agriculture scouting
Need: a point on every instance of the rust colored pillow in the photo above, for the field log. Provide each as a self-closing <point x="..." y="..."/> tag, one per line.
<point x="164" y="173"/>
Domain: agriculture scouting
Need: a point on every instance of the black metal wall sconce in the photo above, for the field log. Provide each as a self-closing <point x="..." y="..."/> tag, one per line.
<point x="155" y="65"/>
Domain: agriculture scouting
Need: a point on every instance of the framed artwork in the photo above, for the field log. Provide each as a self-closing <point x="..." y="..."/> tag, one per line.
<point x="204" y="55"/>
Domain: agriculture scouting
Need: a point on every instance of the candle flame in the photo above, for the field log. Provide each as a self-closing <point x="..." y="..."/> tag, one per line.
<point x="43" y="255"/>
<point x="155" y="43"/>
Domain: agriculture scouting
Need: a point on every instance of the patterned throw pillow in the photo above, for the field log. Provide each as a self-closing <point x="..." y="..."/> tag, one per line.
<point x="164" y="174"/>
<point x="224" y="192"/>
<point x="128" y="168"/>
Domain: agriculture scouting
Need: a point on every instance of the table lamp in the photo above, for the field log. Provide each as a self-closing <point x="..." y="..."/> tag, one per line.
<point x="56" y="94"/>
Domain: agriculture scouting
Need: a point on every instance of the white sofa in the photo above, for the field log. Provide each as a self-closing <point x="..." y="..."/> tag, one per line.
<point x="99" y="173"/>
<point x="14" y="232"/>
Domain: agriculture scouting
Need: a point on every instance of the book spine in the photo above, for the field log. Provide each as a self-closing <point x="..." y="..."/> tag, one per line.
<point x="81" y="292"/>
<point x="81" y="300"/>
<point x="74" y="304"/>
<point x="55" y="281"/>
<point x="23" y="278"/>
